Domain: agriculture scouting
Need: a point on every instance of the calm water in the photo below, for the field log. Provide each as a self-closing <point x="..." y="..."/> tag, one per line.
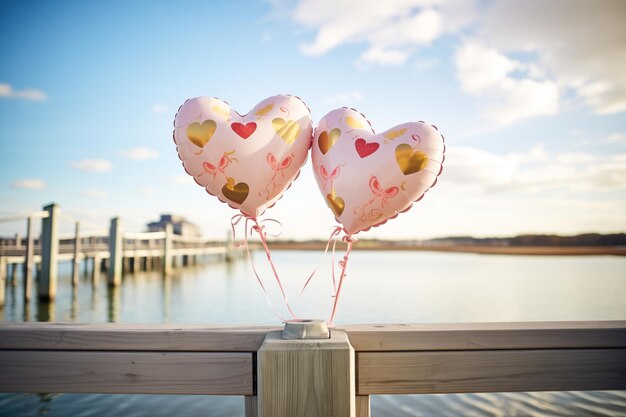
<point x="380" y="287"/>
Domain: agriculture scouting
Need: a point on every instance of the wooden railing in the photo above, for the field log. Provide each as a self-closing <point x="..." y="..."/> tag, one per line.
<point x="114" y="250"/>
<point x="390" y="359"/>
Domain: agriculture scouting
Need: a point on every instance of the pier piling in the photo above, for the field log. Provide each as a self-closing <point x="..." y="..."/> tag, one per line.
<point x="47" y="282"/>
<point x="113" y="252"/>
<point x="115" y="249"/>
<point x="76" y="263"/>
<point x="28" y="260"/>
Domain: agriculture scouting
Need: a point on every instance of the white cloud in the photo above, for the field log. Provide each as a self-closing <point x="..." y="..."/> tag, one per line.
<point x="617" y="138"/>
<point x="139" y="154"/>
<point x="344" y="98"/>
<point x="485" y="71"/>
<point x="580" y="43"/>
<point x="148" y="191"/>
<point x="377" y="55"/>
<point x="539" y="52"/>
<point x="159" y="108"/>
<point x="533" y="170"/>
<point x="391" y="29"/>
<point x="29" y="183"/>
<point x="92" y="165"/>
<point x="7" y="91"/>
<point x="427" y="64"/>
<point x="96" y="194"/>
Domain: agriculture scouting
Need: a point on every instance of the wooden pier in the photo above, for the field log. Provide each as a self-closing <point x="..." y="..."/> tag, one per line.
<point x="111" y="250"/>
<point x="364" y="360"/>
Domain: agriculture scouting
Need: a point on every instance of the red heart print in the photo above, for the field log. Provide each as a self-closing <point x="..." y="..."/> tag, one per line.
<point x="365" y="149"/>
<point x="244" y="130"/>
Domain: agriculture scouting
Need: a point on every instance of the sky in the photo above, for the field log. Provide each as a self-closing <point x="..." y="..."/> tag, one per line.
<point x="530" y="96"/>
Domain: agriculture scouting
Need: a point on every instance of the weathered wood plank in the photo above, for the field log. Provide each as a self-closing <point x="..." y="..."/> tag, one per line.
<point x="133" y="337"/>
<point x="126" y="372"/>
<point x="468" y="336"/>
<point x="490" y="371"/>
<point x="388" y="337"/>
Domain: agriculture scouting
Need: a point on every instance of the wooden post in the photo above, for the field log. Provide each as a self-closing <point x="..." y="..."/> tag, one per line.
<point x="28" y="260"/>
<point x="115" y="251"/>
<point x="47" y="283"/>
<point x="76" y="264"/>
<point x="167" y="249"/>
<point x="306" y="377"/>
<point x="18" y="245"/>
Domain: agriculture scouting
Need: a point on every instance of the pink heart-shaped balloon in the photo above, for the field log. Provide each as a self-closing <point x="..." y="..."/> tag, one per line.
<point x="367" y="178"/>
<point x="246" y="161"/>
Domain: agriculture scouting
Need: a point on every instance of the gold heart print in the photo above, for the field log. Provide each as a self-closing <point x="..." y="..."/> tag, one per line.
<point x="263" y="111"/>
<point x="326" y="140"/>
<point x="409" y="160"/>
<point x="394" y="134"/>
<point x="354" y="123"/>
<point x="288" y="130"/>
<point x="235" y="192"/>
<point x="201" y="134"/>
<point x="335" y="203"/>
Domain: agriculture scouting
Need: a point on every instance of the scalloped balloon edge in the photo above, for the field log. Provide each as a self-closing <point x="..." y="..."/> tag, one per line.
<point x="306" y="158"/>
<point x="410" y="206"/>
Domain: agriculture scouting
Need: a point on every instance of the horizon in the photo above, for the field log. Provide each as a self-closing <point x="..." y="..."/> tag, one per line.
<point x="534" y="116"/>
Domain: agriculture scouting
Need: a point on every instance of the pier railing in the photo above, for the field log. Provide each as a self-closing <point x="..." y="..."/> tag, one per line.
<point x="112" y="250"/>
<point x="385" y="359"/>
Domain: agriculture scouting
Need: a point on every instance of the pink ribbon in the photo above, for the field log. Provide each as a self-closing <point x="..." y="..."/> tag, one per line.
<point x="260" y="229"/>
<point x="335" y="232"/>
<point x="342" y="263"/>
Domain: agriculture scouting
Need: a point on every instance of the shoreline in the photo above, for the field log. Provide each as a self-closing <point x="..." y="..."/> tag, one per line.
<point x="484" y="250"/>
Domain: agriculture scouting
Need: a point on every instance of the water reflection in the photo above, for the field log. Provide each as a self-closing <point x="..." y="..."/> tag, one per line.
<point x="381" y="287"/>
<point x="44" y="404"/>
<point x="74" y="305"/>
<point x="114" y="295"/>
<point x="26" y="312"/>
<point x="46" y="311"/>
<point x="166" y="296"/>
<point x="11" y="294"/>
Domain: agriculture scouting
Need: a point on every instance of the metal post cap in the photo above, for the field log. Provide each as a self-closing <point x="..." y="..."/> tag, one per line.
<point x="305" y="329"/>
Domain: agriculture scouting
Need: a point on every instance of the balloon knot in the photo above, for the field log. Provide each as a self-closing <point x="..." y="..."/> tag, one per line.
<point x="349" y="239"/>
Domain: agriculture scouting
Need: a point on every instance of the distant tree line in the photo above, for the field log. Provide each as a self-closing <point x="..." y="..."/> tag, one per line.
<point x="586" y="239"/>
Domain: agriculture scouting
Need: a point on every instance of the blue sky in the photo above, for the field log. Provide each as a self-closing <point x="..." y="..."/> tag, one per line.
<point x="531" y="98"/>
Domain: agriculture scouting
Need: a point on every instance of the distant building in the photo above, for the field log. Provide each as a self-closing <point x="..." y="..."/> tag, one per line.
<point x="180" y="225"/>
